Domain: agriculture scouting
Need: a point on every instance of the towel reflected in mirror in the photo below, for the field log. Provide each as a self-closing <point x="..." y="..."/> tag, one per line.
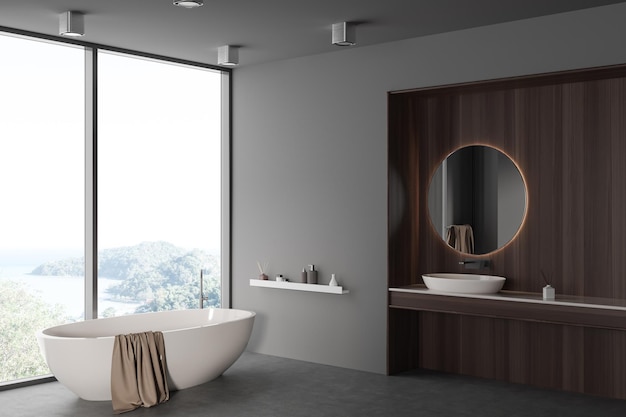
<point x="460" y="237"/>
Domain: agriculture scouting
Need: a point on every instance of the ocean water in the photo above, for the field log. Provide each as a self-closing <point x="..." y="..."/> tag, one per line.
<point x="65" y="291"/>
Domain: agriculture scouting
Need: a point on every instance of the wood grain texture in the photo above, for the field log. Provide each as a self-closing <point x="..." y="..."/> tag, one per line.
<point x="567" y="133"/>
<point x="569" y="139"/>
<point x="403" y="336"/>
<point x="560" y="357"/>
<point x="439" y="350"/>
<point x="547" y="313"/>
<point x="568" y="348"/>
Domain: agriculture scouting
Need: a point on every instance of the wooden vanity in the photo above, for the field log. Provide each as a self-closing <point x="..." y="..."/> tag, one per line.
<point x="567" y="134"/>
<point x="602" y="313"/>
<point x="572" y="343"/>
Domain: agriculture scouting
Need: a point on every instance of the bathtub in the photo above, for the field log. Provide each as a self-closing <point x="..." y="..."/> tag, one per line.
<point x="199" y="346"/>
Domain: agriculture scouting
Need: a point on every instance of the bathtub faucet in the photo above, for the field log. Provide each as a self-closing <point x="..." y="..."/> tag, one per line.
<point x="203" y="297"/>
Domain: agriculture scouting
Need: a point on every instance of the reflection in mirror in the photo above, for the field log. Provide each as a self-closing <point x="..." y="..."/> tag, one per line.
<point x="477" y="199"/>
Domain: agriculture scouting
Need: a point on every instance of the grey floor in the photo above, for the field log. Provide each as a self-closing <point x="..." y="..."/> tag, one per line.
<point x="260" y="385"/>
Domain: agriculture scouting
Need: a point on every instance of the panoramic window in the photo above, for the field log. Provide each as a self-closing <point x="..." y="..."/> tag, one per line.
<point x="42" y="189"/>
<point x="159" y="190"/>
<point x="159" y="182"/>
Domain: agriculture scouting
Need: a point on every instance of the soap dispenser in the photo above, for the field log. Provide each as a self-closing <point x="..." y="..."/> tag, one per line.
<point x="311" y="275"/>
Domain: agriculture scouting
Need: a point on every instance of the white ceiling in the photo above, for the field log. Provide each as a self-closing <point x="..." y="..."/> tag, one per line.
<point x="268" y="30"/>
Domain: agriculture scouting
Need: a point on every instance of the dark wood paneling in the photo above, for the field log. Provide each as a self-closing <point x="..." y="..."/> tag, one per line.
<point x="545" y="355"/>
<point x="479" y="347"/>
<point x="567" y="133"/>
<point x="515" y="351"/>
<point x="569" y="348"/>
<point x="403" y="340"/>
<point x="573" y="359"/>
<point x="549" y="313"/>
<point x="617" y="114"/>
<point x="605" y="362"/>
<point x="569" y="139"/>
<point x="439" y="350"/>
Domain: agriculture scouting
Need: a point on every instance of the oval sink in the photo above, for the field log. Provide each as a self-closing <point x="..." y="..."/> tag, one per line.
<point x="464" y="283"/>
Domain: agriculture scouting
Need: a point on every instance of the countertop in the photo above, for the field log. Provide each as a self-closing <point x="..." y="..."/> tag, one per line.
<point x="524" y="297"/>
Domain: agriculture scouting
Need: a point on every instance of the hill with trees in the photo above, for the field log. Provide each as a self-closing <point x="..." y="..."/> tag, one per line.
<point x="159" y="275"/>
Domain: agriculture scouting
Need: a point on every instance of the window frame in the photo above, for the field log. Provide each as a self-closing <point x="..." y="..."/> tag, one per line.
<point x="91" y="142"/>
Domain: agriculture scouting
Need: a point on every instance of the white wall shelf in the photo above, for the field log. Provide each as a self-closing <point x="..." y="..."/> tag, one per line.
<point x="296" y="286"/>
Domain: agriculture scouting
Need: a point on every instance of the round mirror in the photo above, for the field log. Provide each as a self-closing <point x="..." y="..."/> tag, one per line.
<point x="477" y="200"/>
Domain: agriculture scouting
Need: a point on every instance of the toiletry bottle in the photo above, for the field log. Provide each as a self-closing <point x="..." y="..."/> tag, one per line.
<point x="303" y="276"/>
<point x="333" y="281"/>
<point x="311" y="275"/>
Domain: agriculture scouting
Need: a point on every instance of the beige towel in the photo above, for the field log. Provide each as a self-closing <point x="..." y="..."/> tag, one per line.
<point x="461" y="237"/>
<point x="138" y="371"/>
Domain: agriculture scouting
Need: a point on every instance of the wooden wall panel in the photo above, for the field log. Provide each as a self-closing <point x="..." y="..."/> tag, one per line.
<point x="403" y="340"/>
<point x="403" y="195"/>
<point x="617" y="115"/>
<point x="545" y="355"/>
<point x="573" y="359"/>
<point x="440" y="350"/>
<point x="514" y="367"/>
<point x="479" y="347"/>
<point x="567" y="134"/>
<point x="605" y="363"/>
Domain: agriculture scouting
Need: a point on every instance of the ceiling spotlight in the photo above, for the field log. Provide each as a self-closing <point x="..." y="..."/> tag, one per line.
<point x="344" y="34"/>
<point x="71" y="24"/>
<point x="228" y="55"/>
<point x="189" y="4"/>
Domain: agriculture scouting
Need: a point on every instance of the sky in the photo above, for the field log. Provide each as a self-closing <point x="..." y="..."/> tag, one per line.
<point x="159" y="150"/>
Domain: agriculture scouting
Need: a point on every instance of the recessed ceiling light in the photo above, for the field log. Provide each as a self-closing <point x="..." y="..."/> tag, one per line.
<point x="189" y="4"/>
<point x="71" y="24"/>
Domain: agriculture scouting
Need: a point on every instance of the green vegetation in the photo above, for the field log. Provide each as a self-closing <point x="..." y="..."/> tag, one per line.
<point x="23" y="314"/>
<point x="159" y="275"/>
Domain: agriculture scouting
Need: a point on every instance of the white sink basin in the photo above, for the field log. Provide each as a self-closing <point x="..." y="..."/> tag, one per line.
<point x="464" y="283"/>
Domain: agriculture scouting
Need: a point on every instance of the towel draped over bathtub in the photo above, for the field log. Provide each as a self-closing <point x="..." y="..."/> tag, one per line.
<point x="138" y="371"/>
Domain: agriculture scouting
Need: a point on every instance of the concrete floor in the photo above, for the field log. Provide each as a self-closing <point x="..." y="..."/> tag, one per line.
<point x="259" y="385"/>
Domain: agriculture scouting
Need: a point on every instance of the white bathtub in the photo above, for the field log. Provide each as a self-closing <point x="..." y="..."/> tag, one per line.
<point x="199" y="346"/>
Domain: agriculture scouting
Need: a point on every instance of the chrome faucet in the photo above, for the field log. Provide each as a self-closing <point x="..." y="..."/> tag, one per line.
<point x="203" y="297"/>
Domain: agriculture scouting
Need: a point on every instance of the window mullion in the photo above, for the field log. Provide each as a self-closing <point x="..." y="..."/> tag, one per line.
<point x="91" y="184"/>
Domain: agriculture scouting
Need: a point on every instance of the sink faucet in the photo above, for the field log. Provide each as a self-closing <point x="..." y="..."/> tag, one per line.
<point x="203" y="297"/>
<point x="474" y="263"/>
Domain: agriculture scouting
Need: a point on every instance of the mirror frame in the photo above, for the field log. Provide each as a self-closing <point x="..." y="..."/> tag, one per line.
<point x="524" y="215"/>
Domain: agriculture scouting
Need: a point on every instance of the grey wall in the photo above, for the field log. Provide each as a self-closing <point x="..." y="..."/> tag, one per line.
<point x="310" y="168"/>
